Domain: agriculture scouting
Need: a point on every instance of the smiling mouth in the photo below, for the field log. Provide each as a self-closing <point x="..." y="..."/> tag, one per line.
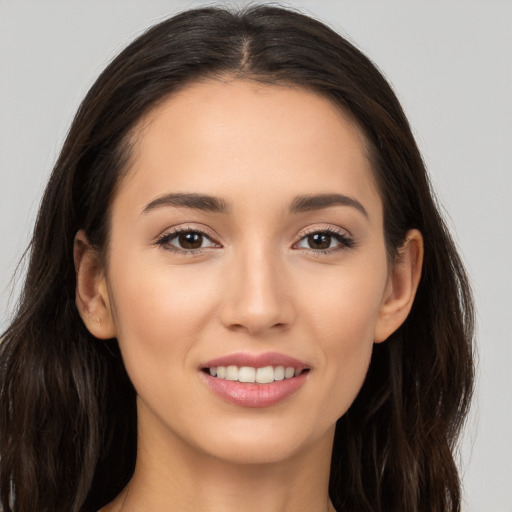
<point x="249" y="374"/>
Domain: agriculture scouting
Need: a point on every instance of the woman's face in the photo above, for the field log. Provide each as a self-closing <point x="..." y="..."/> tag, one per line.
<point x="248" y="233"/>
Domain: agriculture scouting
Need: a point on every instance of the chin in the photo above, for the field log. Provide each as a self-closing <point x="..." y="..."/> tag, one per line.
<point x="254" y="453"/>
<point x="263" y="444"/>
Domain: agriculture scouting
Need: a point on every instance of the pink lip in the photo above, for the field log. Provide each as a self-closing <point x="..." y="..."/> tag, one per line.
<point x="256" y="360"/>
<point x="255" y="395"/>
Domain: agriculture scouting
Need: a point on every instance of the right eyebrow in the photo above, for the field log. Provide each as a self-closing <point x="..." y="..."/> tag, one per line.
<point x="197" y="201"/>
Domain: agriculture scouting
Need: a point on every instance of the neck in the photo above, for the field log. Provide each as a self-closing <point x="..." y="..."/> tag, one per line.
<point x="172" y="476"/>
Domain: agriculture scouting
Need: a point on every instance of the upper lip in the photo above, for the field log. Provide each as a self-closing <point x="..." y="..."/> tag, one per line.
<point x="256" y="360"/>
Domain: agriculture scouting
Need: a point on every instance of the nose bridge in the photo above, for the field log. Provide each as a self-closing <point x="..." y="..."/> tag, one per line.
<point x="256" y="297"/>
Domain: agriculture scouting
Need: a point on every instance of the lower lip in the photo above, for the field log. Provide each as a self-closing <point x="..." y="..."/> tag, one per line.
<point x="254" y="395"/>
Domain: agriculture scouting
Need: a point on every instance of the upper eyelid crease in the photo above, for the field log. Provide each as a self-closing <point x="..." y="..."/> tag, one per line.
<point x="324" y="229"/>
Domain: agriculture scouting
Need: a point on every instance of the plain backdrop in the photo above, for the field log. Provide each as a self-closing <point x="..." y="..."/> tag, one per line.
<point x="450" y="64"/>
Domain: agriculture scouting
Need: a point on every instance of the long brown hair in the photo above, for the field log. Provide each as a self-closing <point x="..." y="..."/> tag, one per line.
<point x="67" y="407"/>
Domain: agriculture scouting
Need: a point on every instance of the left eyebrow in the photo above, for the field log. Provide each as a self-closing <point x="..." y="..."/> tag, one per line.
<point x="308" y="203"/>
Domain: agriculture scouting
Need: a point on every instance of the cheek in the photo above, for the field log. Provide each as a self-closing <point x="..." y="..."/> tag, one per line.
<point x="159" y="314"/>
<point x="158" y="311"/>
<point x="343" y="319"/>
<point x="344" y="303"/>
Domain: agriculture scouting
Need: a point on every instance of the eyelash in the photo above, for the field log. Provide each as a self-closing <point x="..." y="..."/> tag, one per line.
<point x="346" y="241"/>
<point x="165" y="239"/>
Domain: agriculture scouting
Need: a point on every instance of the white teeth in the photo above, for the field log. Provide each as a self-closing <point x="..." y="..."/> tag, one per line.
<point x="232" y="373"/>
<point x="263" y="375"/>
<point x="247" y="374"/>
<point x="289" y="373"/>
<point x="279" y="373"/>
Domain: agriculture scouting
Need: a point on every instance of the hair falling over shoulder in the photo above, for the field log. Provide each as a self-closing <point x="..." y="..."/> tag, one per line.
<point x="67" y="408"/>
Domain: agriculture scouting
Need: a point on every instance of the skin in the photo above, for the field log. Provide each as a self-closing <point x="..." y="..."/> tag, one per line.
<point x="256" y="285"/>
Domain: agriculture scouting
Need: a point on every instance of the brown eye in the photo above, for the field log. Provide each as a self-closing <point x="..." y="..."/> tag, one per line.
<point x="186" y="241"/>
<point x="326" y="241"/>
<point x="190" y="240"/>
<point x="319" y="241"/>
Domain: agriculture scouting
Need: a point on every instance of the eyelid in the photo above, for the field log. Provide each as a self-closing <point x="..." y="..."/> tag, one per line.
<point x="344" y="237"/>
<point x="172" y="232"/>
<point x="322" y="228"/>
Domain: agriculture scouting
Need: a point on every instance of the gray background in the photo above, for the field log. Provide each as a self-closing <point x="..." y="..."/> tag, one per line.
<point x="449" y="61"/>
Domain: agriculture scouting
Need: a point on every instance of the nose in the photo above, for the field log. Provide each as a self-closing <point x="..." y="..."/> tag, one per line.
<point x="257" y="295"/>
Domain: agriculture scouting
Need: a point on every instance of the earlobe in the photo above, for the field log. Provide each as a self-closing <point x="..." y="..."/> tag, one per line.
<point x="401" y="288"/>
<point x="92" y="298"/>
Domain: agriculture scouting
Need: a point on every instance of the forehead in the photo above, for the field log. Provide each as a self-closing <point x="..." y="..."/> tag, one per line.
<point x="238" y="138"/>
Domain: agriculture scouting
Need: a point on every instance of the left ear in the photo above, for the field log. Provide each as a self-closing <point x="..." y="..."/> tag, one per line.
<point x="401" y="286"/>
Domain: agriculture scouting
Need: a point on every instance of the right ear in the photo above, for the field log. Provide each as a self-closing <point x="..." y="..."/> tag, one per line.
<point x="92" y="298"/>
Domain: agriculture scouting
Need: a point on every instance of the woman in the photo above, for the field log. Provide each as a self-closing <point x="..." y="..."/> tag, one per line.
<point x="241" y="294"/>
